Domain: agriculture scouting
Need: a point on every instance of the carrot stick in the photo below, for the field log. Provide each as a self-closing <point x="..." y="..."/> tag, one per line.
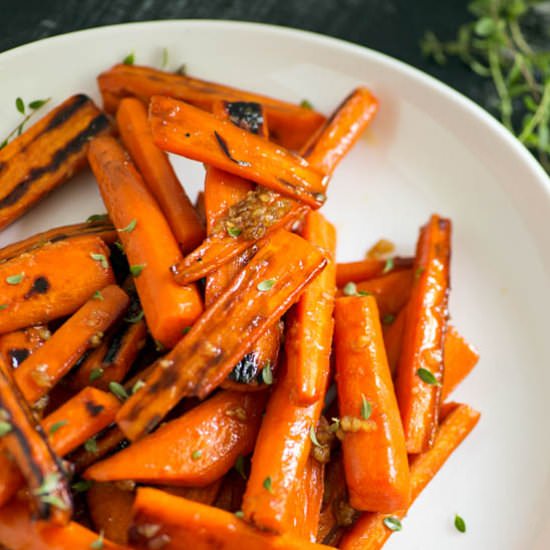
<point x="42" y="370"/>
<point x="375" y="457"/>
<point x="100" y="228"/>
<point x="291" y="125"/>
<point x="459" y="358"/>
<point x="52" y="281"/>
<point x="369" y="532"/>
<point x="186" y="524"/>
<point x="248" y="115"/>
<point x="180" y="128"/>
<point x="158" y="174"/>
<point x="270" y="283"/>
<point x="16" y="346"/>
<point x="47" y="155"/>
<point x="310" y="324"/>
<point x="195" y="449"/>
<point x="420" y="368"/>
<point x="148" y="242"/>
<point x="369" y="268"/>
<point x="27" y="444"/>
<point x="341" y="130"/>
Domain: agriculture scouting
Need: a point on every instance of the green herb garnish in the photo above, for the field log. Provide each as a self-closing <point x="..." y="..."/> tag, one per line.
<point x="98" y="543"/>
<point x="460" y="524"/>
<point x="20" y="106"/>
<point x="58" y="425"/>
<point x="129" y="228"/>
<point x="54" y="500"/>
<point x="15" y="279"/>
<point x="393" y="523"/>
<point x="305" y="104"/>
<point x="101" y="259"/>
<point x="136" y="270"/>
<point x="5" y="428"/>
<point x="97" y="218"/>
<point x="195" y="455"/>
<point x="137" y="386"/>
<point x="91" y="445"/>
<point x="82" y="486"/>
<point x="3" y="307"/>
<point x="313" y="437"/>
<point x="185" y="330"/>
<point x="129" y="59"/>
<point x="427" y="376"/>
<point x="98" y="296"/>
<point x="118" y="390"/>
<point x="366" y="408"/>
<point x="239" y="514"/>
<point x="267" y="374"/>
<point x="239" y="466"/>
<point x="266" y="285"/>
<point x="388" y="319"/>
<point x="350" y="289"/>
<point x="234" y="231"/>
<point x="96" y="374"/>
<point x="135" y="319"/>
<point x="388" y="266"/>
<point x="267" y="485"/>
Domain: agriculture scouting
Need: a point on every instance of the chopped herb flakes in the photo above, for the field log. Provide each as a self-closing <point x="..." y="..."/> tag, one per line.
<point x="97" y="218"/>
<point x="305" y="104"/>
<point x="98" y="296"/>
<point x="233" y="231"/>
<point x="239" y="466"/>
<point x="15" y="279"/>
<point x="313" y="437"/>
<point x="460" y="524"/>
<point x="137" y="386"/>
<point x="267" y="374"/>
<point x="129" y="228"/>
<point x="91" y="445"/>
<point x="196" y="455"/>
<point x="136" y="270"/>
<point x="388" y="266"/>
<point x="118" y="390"/>
<point x="96" y="374"/>
<point x="266" y="285"/>
<point x="388" y="319"/>
<point x="5" y="428"/>
<point x="366" y="408"/>
<point x="135" y="319"/>
<point x="20" y="105"/>
<point x="129" y="59"/>
<point x="3" y="307"/>
<point x="393" y="523"/>
<point x="98" y="543"/>
<point x="428" y="377"/>
<point x="81" y="486"/>
<point x="57" y="426"/>
<point x="268" y="485"/>
<point x="101" y="259"/>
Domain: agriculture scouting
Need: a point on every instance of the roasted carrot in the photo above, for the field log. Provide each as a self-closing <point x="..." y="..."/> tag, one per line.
<point x="181" y="523"/>
<point x="291" y="125"/>
<point x="180" y="128"/>
<point x="375" y="457"/>
<point x="204" y="495"/>
<point x="101" y="228"/>
<point x="148" y="242"/>
<point x="270" y="283"/>
<point x="16" y="346"/>
<point x="52" y="281"/>
<point x="196" y="449"/>
<point x="369" y="532"/>
<point x="248" y="115"/>
<point x="310" y="325"/>
<point x="27" y="444"/>
<point x="459" y="358"/>
<point x="420" y="368"/>
<point x="84" y="330"/>
<point x="370" y="268"/>
<point x="341" y="130"/>
<point x="47" y="155"/>
<point x="158" y="174"/>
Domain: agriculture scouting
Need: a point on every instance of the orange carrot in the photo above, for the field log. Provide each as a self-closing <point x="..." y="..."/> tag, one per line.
<point x="420" y="368"/>
<point x="369" y="532"/>
<point x="375" y="457"/>
<point x="355" y="272"/>
<point x="16" y="346"/>
<point x="47" y="155"/>
<point x="180" y="128"/>
<point x="84" y="330"/>
<point x="158" y="174"/>
<point x="459" y="358"/>
<point x="248" y="115"/>
<point x="270" y="283"/>
<point x="52" y="281"/>
<point x="186" y="524"/>
<point x="148" y="242"/>
<point x="195" y="449"/>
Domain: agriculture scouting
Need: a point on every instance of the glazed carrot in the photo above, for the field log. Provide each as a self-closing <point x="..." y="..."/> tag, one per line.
<point x="291" y="125"/>
<point x="309" y="326"/>
<point x="393" y="337"/>
<point x="186" y="524"/>
<point x="81" y="332"/>
<point x="110" y="509"/>
<point x="52" y="281"/>
<point x="248" y="115"/>
<point x="369" y="532"/>
<point x="27" y="444"/>
<point x="421" y="360"/>
<point x="204" y="495"/>
<point x="369" y="268"/>
<point x="185" y="130"/>
<point x="270" y="283"/>
<point x="341" y="130"/>
<point x="16" y="346"/>
<point x="459" y="358"/>
<point x="19" y="531"/>
<point x="148" y="242"/>
<point x="158" y="174"/>
<point x="100" y="228"/>
<point x="47" y="155"/>
<point x="375" y="457"/>
<point x="196" y="449"/>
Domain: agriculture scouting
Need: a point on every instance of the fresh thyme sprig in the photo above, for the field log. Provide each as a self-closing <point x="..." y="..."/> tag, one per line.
<point x="27" y="112"/>
<point x="495" y="46"/>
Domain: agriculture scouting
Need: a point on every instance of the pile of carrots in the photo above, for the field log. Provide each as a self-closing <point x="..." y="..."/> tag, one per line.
<point x="177" y="375"/>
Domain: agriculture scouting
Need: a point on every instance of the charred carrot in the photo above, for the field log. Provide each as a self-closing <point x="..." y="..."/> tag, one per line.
<point x="370" y="268"/>
<point x="185" y="130"/>
<point x="186" y="524"/>
<point x="147" y="240"/>
<point x="84" y="330"/>
<point x="158" y="174"/>
<point x="16" y="346"/>
<point x="47" y="155"/>
<point x="265" y="289"/>
<point x="370" y="532"/>
<point x="420" y="368"/>
<point x="291" y="125"/>
<point x="374" y="453"/>
<point x="52" y="281"/>
<point x="194" y="450"/>
<point x="459" y="358"/>
<point x="248" y="115"/>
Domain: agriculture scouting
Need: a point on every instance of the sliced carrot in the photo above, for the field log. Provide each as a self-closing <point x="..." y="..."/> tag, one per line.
<point x="459" y="358"/>
<point x="185" y="130"/>
<point x="16" y="346"/>
<point x="291" y="125"/>
<point x="375" y="457"/>
<point x="196" y="449"/>
<point x="370" y="268"/>
<point x="158" y="174"/>
<point x="420" y="368"/>
<point x="47" y="155"/>
<point x="52" y="281"/>
<point x="269" y="284"/>
<point x="369" y="532"/>
<point x="181" y="523"/>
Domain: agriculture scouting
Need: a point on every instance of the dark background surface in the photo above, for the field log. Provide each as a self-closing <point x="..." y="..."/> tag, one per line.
<point x="394" y="27"/>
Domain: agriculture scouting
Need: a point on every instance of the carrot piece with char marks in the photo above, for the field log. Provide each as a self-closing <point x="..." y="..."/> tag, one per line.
<point x="264" y="290"/>
<point x="16" y="346"/>
<point x="248" y="115"/>
<point x="370" y="268"/>
<point x="148" y="242"/>
<point x="420" y="367"/>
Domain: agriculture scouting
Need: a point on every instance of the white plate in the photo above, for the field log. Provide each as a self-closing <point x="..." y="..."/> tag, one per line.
<point x="429" y="150"/>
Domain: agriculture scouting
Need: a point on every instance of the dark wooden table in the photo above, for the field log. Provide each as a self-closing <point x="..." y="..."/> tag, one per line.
<point x="390" y="26"/>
